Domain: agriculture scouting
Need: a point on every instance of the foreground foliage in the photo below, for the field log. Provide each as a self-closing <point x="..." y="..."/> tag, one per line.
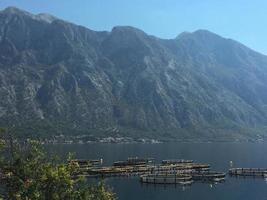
<point x="27" y="172"/>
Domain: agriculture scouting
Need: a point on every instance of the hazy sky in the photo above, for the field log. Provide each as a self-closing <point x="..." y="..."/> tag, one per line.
<point x="242" y="20"/>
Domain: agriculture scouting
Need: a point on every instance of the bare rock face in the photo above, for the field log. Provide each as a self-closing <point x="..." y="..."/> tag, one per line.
<point x="57" y="77"/>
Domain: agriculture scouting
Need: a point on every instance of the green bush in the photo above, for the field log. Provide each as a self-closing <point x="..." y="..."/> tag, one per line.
<point x="28" y="174"/>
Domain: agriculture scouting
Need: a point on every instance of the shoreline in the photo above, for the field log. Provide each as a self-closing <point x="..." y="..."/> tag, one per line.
<point x="153" y="141"/>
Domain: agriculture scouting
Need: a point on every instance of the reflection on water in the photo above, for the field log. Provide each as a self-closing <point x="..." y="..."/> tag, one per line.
<point x="221" y="156"/>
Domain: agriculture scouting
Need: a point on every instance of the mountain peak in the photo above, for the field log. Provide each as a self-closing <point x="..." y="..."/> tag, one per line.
<point x="15" y="10"/>
<point x="183" y="34"/>
<point x="205" y="33"/>
<point x="127" y="29"/>
<point x="198" y="33"/>
<point x="41" y="17"/>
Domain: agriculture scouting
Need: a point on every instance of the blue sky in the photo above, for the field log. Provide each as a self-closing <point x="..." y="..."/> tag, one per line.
<point x="242" y="20"/>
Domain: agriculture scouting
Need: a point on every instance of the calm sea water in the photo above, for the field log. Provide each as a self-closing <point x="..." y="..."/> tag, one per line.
<point x="218" y="155"/>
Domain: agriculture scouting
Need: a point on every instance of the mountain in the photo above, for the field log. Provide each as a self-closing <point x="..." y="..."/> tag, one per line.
<point x="60" y="78"/>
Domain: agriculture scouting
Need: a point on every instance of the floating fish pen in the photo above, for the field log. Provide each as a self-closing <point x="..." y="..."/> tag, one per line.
<point x="208" y="176"/>
<point x="86" y="163"/>
<point x="181" y="167"/>
<point x="180" y="161"/>
<point x="119" y="171"/>
<point x="200" y="167"/>
<point x="141" y="166"/>
<point x="203" y="176"/>
<point x="129" y="170"/>
<point x="107" y="171"/>
<point x="134" y="161"/>
<point x="261" y="172"/>
<point x="166" y="179"/>
<point x="126" y="163"/>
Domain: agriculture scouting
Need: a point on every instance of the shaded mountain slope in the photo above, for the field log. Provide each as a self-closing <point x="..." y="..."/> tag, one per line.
<point x="57" y="77"/>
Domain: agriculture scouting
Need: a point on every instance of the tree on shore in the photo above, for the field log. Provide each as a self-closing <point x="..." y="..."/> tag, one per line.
<point x="28" y="173"/>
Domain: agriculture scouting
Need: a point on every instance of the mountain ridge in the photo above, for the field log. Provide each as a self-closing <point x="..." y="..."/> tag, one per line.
<point x="57" y="77"/>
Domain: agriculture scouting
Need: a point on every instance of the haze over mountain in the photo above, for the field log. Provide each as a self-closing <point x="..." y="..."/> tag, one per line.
<point x="57" y="77"/>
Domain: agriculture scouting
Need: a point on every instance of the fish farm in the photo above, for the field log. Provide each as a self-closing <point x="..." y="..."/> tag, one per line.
<point x="173" y="171"/>
<point x="180" y="172"/>
<point x="183" y="172"/>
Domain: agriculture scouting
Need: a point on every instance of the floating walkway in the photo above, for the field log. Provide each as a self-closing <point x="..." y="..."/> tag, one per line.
<point x="260" y="172"/>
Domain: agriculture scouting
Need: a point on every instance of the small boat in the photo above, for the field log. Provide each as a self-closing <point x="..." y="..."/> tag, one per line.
<point x="219" y="179"/>
<point x="186" y="182"/>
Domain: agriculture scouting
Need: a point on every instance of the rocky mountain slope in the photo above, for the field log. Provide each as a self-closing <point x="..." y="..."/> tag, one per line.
<point x="57" y="77"/>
